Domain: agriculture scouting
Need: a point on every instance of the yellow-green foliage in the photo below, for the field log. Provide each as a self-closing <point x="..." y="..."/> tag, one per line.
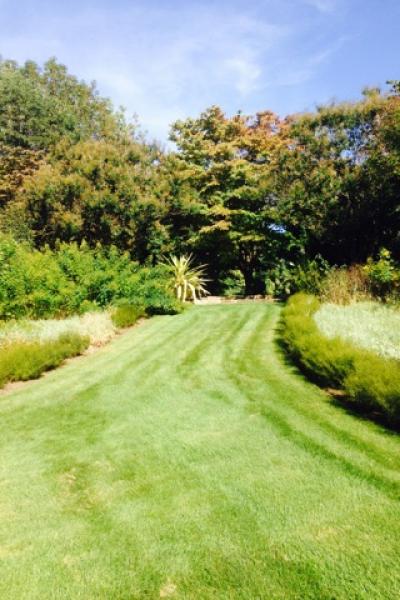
<point x="383" y="275"/>
<point x="127" y="315"/>
<point x="369" y="380"/>
<point x="28" y="360"/>
<point x="375" y="383"/>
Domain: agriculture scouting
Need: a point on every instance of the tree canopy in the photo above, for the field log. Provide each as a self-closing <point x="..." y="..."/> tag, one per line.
<point x="240" y="192"/>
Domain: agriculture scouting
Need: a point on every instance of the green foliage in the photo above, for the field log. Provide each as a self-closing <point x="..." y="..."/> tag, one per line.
<point x="126" y="315"/>
<point x="335" y="178"/>
<point x="31" y="282"/>
<point x="16" y="163"/>
<point x="364" y="376"/>
<point x="328" y="363"/>
<point x="224" y="159"/>
<point x="383" y="275"/>
<point x="244" y="193"/>
<point x="233" y="284"/>
<point x="376" y="279"/>
<point x="153" y="289"/>
<point x="72" y="279"/>
<point x="41" y="106"/>
<point x="287" y="278"/>
<point x="28" y="360"/>
<point x="375" y="383"/>
<point x="98" y="191"/>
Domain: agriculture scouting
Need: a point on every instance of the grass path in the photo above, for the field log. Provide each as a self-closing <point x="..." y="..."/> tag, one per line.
<point x="187" y="460"/>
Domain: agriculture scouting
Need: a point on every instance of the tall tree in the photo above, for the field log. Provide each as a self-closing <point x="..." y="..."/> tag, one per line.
<point x="336" y="181"/>
<point x="224" y="159"/>
<point x="41" y="106"/>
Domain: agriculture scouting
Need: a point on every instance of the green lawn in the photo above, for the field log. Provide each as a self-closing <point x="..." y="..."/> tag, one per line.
<point x="187" y="460"/>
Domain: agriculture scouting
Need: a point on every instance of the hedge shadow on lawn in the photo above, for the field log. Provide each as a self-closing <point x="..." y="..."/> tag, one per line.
<point x="337" y="396"/>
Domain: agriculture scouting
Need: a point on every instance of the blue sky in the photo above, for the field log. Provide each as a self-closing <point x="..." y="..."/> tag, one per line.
<point x="166" y="60"/>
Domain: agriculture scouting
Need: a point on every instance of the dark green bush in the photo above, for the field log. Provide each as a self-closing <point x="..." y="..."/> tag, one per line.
<point x="287" y="277"/>
<point x="233" y="284"/>
<point x="126" y="315"/>
<point x="20" y="361"/>
<point x="370" y="381"/>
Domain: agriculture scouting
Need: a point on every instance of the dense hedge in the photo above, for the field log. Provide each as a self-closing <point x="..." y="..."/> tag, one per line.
<point x="73" y="279"/>
<point x="28" y="360"/>
<point x="370" y="381"/>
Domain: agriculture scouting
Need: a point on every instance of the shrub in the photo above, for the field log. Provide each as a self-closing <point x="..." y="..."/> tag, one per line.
<point x="377" y="279"/>
<point x="28" y="360"/>
<point x="189" y="280"/>
<point x="153" y="289"/>
<point x="287" y="277"/>
<point x="383" y="275"/>
<point x="327" y="362"/>
<point x="126" y="315"/>
<point x="31" y="282"/>
<point x="74" y="279"/>
<point x="233" y="284"/>
<point x="370" y="381"/>
<point x="375" y="383"/>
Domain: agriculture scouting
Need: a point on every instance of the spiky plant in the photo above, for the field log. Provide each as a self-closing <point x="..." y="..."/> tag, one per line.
<point x="189" y="281"/>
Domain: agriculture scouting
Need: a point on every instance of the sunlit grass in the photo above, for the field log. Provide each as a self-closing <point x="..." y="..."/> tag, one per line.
<point x="186" y="460"/>
<point x="98" y="326"/>
<point x="369" y="325"/>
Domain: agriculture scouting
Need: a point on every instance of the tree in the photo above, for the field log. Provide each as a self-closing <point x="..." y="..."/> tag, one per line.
<point x="224" y="160"/>
<point x="335" y="181"/>
<point x="100" y="192"/>
<point x="41" y="106"/>
<point x="16" y="163"/>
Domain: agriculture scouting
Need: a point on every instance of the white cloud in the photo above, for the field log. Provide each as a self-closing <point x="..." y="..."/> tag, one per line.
<point x="187" y="62"/>
<point x="169" y="62"/>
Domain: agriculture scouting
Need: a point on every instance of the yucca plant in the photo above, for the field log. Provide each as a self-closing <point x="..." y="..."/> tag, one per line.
<point x="189" y="281"/>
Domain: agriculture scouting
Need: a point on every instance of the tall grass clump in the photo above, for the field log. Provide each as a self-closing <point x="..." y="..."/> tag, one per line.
<point x="346" y="284"/>
<point x="126" y="315"/>
<point x="369" y="381"/>
<point x="20" y="361"/>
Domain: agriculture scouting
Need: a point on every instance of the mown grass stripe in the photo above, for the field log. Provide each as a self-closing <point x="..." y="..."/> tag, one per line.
<point x="187" y="452"/>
